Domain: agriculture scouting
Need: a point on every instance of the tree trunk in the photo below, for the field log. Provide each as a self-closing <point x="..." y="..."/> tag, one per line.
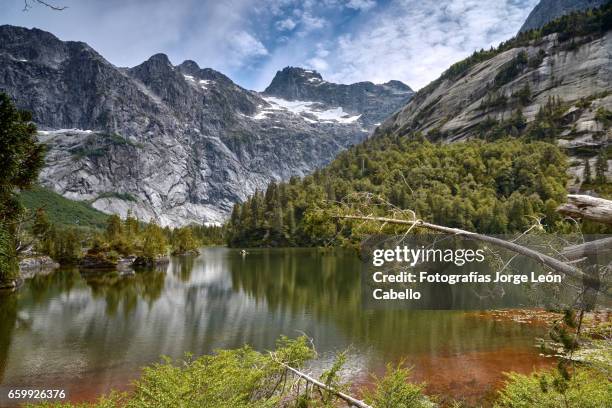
<point x="597" y="247"/>
<point x="588" y="208"/>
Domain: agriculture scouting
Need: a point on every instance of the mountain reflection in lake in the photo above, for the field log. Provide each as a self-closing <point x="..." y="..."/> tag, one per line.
<point x="89" y="333"/>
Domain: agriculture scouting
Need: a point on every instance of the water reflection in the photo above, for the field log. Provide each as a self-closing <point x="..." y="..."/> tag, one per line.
<point x="94" y="331"/>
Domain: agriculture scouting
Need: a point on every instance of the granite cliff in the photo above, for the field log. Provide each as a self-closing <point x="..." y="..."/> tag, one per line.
<point x="178" y="144"/>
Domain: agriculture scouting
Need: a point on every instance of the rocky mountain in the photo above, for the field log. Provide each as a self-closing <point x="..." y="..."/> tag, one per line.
<point x="548" y="10"/>
<point x="569" y="68"/>
<point x="373" y="102"/>
<point x="178" y="144"/>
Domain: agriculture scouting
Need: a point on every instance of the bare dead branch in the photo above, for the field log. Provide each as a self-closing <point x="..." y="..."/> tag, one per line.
<point x="588" y="208"/>
<point x="27" y="5"/>
<point x="600" y="246"/>
<point x="538" y="256"/>
<point x="354" y="402"/>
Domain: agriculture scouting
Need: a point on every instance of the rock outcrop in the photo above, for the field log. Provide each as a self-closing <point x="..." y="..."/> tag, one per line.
<point x="178" y="144"/>
<point x="373" y="102"/>
<point x="577" y="72"/>
<point x="548" y="10"/>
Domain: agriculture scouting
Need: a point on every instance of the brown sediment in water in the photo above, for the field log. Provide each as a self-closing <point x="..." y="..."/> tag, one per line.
<point x="541" y="317"/>
<point x="470" y="377"/>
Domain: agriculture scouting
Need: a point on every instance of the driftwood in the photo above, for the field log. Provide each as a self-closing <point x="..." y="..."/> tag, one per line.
<point x="588" y="208"/>
<point x="549" y="261"/>
<point x="597" y="247"/>
<point x="354" y="402"/>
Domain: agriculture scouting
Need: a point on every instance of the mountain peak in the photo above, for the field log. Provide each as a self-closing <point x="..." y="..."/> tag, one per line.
<point x="189" y="67"/>
<point x="398" y="86"/>
<point x="159" y="58"/>
<point x="292" y="78"/>
<point x="548" y="10"/>
<point x="299" y="72"/>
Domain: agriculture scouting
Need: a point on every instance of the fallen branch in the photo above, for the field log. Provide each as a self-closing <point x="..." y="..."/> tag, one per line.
<point x="354" y="402"/>
<point x="597" y="247"/>
<point x="588" y="208"/>
<point x="549" y="261"/>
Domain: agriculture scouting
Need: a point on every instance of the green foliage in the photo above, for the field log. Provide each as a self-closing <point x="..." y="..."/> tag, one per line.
<point x="120" y="196"/>
<point x="63" y="244"/>
<point x="586" y="173"/>
<point x="604" y="116"/>
<point x="585" y="389"/>
<point x="62" y="211"/>
<point x="9" y="267"/>
<point x="395" y="391"/>
<point x="331" y="378"/>
<point x="155" y="243"/>
<point x="581" y="23"/>
<point x="601" y="167"/>
<point x="100" y="145"/>
<point x="523" y="95"/>
<point x="486" y="187"/>
<point x="240" y="378"/>
<point x="511" y="69"/>
<point x="183" y="241"/>
<point x="547" y="125"/>
<point x="21" y="158"/>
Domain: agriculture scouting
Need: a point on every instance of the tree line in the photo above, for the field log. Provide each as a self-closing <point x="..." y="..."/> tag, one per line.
<point x="491" y="187"/>
<point x="23" y="231"/>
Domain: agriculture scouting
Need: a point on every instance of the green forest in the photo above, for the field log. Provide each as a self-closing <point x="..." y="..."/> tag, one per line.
<point x="491" y="187"/>
<point x="507" y="176"/>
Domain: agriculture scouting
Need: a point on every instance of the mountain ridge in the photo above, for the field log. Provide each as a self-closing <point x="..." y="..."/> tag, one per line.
<point x="185" y="142"/>
<point x="567" y="61"/>
<point x="548" y="10"/>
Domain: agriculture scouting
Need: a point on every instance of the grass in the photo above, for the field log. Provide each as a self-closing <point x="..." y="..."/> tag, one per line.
<point x="62" y="211"/>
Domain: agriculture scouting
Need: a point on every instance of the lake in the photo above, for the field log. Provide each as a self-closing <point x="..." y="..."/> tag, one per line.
<point x="90" y="333"/>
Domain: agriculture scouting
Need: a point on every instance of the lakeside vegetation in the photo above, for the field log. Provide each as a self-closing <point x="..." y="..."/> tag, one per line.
<point x="245" y="378"/>
<point x="37" y="221"/>
<point x="498" y="185"/>
<point x="490" y="187"/>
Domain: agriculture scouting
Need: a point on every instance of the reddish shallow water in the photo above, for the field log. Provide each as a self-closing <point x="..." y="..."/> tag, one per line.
<point x="89" y="335"/>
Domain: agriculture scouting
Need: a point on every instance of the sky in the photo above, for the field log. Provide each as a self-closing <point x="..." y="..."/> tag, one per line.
<point x="347" y="41"/>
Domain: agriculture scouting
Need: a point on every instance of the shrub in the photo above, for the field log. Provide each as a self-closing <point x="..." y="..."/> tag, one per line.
<point x="585" y="389"/>
<point x="394" y="391"/>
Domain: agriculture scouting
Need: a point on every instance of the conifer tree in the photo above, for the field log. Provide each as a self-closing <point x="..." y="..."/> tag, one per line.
<point x="586" y="174"/>
<point x="21" y="159"/>
<point x="601" y="167"/>
<point x="114" y="228"/>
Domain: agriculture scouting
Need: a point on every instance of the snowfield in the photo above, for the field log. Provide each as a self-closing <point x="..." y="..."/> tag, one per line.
<point x="308" y="108"/>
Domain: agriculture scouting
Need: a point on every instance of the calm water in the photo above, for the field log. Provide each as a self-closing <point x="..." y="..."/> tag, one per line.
<point x="88" y="334"/>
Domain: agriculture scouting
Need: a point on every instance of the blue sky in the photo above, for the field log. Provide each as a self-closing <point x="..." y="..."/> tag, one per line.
<point x="346" y="40"/>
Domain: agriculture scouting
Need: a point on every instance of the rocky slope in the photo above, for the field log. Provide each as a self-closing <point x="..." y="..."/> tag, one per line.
<point x="576" y="71"/>
<point x="178" y="144"/>
<point x="548" y="10"/>
<point x="373" y="102"/>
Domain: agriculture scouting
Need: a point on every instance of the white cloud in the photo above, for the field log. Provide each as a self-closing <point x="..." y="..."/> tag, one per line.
<point x="416" y="41"/>
<point x="363" y="5"/>
<point x="318" y="64"/>
<point x="285" y="25"/>
<point x="249" y="40"/>
<point x="310" y="22"/>
<point x="244" y="46"/>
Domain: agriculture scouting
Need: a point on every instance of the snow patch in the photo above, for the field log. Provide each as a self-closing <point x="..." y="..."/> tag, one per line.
<point x="189" y="78"/>
<point x="58" y="131"/>
<point x="306" y="107"/>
